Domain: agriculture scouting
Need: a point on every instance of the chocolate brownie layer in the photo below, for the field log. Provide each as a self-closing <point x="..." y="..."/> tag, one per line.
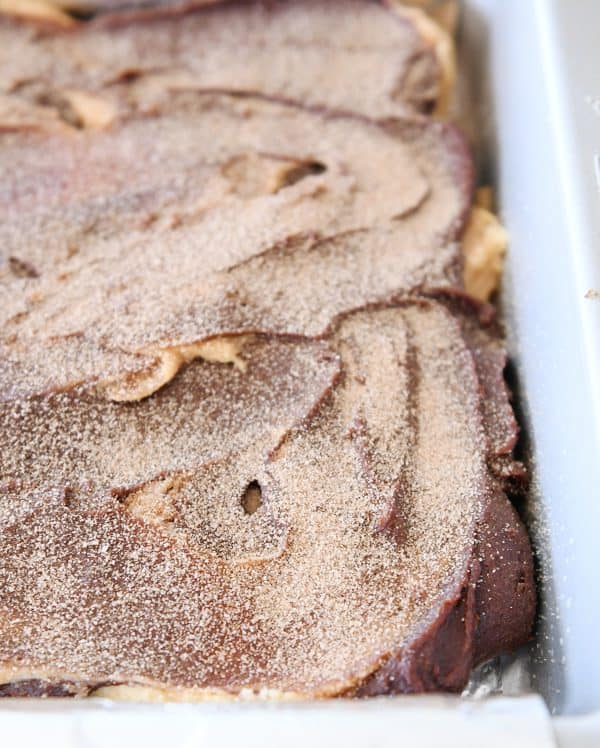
<point x="367" y="561"/>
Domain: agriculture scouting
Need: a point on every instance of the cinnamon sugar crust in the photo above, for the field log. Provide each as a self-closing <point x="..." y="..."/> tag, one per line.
<point x="307" y="597"/>
<point x="255" y="437"/>
<point x="390" y="68"/>
<point x="232" y="232"/>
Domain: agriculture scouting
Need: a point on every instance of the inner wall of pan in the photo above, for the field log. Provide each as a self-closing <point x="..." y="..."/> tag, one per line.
<point x="537" y="667"/>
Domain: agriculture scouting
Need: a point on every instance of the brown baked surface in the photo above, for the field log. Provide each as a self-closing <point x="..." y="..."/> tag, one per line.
<point x="255" y="437"/>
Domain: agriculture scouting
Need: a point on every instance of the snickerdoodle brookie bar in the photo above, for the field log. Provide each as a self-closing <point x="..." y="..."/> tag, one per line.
<point x="254" y="434"/>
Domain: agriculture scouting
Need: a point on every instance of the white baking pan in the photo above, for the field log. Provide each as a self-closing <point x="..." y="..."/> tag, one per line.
<point x="533" y="76"/>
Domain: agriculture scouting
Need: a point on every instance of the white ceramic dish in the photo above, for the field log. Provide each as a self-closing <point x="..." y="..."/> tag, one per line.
<point x="537" y="63"/>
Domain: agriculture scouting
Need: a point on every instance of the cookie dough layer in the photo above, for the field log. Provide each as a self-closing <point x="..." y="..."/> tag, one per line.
<point x="484" y="246"/>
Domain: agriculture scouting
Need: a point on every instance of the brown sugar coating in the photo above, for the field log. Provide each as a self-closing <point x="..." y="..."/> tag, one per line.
<point x="253" y="436"/>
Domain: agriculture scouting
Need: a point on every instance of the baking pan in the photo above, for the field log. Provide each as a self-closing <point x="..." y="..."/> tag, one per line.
<point x="534" y="77"/>
<point x="531" y="71"/>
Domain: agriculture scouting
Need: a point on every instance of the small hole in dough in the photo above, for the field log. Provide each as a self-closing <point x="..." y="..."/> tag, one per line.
<point x="252" y="497"/>
<point x="301" y="170"/>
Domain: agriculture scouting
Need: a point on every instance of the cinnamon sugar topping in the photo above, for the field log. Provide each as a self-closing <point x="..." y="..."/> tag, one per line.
<point x="243" y="445"/>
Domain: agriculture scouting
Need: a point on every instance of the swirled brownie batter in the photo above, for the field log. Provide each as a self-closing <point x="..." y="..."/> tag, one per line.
<point x="214" y="218"/>
<point x="254" y="436"/>
<point x="282" y="49"/>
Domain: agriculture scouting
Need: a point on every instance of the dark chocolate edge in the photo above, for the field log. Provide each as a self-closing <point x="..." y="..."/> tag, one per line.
<point x="494" y="607"/>
<point x="44" y="689"/>
<point x="492" y="613"/>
